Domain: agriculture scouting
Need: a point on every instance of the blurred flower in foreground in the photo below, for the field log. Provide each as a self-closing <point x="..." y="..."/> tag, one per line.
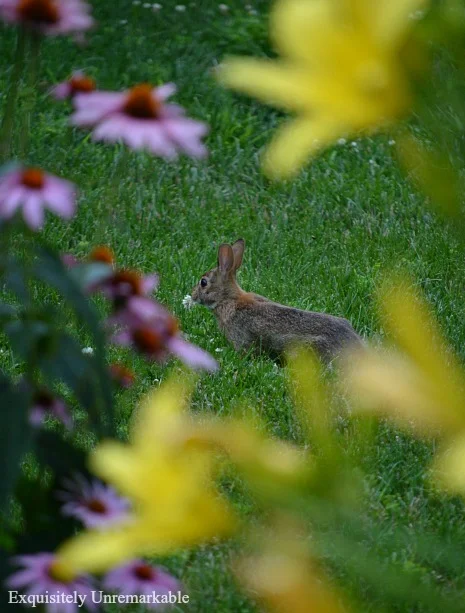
<point x="169" y="482"/>
<point x="283" y="577"/>
<point x="122" y="375"/>
<point x="79" y="83"/>
<point x="159" y="336"/>
<point x="272" y="468"/>
<point x="128" y="290"/>
<point x="45" y="404"/>
<point x="42" y="575"/>
<point x="341" y="73"/>
<point x="422" y="386"/>
<point x="138" y="577"/>
<point x="50" y="17"/>
<point x="34" y="190"/>
<point x="94" y="504"/>
<point x="142" y="119"/>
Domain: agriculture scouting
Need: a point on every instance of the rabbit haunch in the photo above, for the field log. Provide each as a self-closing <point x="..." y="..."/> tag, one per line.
<point x="248" y="319"/>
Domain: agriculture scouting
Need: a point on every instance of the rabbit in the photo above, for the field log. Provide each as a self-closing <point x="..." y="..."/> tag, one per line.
<point x="248" y="319"/>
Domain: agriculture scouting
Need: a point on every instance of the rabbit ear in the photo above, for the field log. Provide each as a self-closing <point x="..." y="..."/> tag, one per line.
<point x="238" y="250"/>
<point x="225" y="258"/>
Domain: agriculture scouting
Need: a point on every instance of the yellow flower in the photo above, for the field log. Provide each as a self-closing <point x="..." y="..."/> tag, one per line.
<point x="284" y="577"/>
<point x="169" y="482"/>
<point x="272" y="468"/>
<point x="449" y="466"/>
<point x="422" y="386"/>
<point x="341" y="72"/>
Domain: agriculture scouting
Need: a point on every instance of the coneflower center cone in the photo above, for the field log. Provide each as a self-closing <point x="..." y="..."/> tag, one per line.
<point x="141" y="103"/>
<point x="144" y="571"/>
<point x="96" y="506"/>
<point x="33" y="178"/>
<point x="39" y="11"/>
<point x="82" y="85"/>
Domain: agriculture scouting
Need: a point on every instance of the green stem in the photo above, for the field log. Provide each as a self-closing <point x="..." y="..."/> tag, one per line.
<point x="6" y="128"/>
<point x="30" y="94"/>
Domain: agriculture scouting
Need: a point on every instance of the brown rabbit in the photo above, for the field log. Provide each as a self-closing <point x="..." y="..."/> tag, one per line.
<point x="248" y="319"/>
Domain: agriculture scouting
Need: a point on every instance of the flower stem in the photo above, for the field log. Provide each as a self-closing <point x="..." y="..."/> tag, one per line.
<point x="30" y="93"/>
<point x="6" y="128"/>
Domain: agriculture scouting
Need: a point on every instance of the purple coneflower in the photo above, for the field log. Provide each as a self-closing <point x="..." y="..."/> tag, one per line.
<point x="128" y="291"/>
<point x="122" y="375"/>
<point x="79" y="83"/>
<point x="33" y="190"/>
<point x="49" y="17"/>
<point x="138" y="577"/>
<point x="159" y="338"/>
<point x="41" y="576"/>
<point x="43" y="404"/>
<point x="94" y="504"/>
<point x="141" y="118"/>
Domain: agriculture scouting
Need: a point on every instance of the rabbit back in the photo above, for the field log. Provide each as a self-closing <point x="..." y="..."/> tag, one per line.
<point x="275" y="328"/>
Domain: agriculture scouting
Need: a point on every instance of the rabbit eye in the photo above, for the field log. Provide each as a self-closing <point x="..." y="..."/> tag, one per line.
<point x="203" y="282"/>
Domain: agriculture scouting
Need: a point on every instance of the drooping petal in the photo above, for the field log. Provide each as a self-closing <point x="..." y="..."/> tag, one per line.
<point x="449" y="466"/>
<point x="164" y="91"/>
<point x="271" y="82"/>
<point x="191" y="355"/>
<point x="296" y="142"/>
<point x="33" y="210"/>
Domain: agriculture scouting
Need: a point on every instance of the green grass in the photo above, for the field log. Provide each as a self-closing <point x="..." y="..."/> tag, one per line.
<point x="322" y="242"/>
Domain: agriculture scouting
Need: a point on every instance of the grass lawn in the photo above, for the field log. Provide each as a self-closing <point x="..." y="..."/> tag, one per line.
<point x="321" y="242"/>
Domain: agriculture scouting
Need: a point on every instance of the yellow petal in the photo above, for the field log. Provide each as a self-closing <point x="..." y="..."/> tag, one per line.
<point x="296" y="142"/>
<point x="390" y="384"/>
<point x="392" y="19"/>
<point x="159" y="414"/>
<point x="298" y="27"/>
<point x="449" y="467"/>
<point x="412" y="325"/>
<point x="272" y="82"/>
<point x="283" y="576"/>
<point x="120" y="465"/>
<point x="95" y="552"/>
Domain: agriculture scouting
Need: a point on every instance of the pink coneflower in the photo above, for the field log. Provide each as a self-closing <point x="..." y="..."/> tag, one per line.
<point x="125" y="284"/>
<point x="33" y="190"/>
<point x="79" y="83"/>
<point x="128" y="291"/>
<point x="41" y="576"/>
<point x="102" y="254"/>
<point x="49" y="17"/>
<point x="44" y="404"/>
<point x="159" y="338"/>
<point x="140" y="118"/>
<point x="123" y="376"/>
<point x="138" y="577"/>
<point x="94" y="504"/>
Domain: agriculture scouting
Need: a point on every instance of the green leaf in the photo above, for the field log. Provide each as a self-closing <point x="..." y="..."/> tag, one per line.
<point x="15" y="433"/>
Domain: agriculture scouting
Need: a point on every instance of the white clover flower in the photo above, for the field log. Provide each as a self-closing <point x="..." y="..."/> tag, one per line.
<point x="223" y="8"/>
<point x="391" y="142"/>
<point x="123" y="22"/>
<point x="156" y="7"/>
<point x="252" y="12"/>
<point x="187" y="302"/>
<point x="341" y="141"/>
<point x="180" y="8"/>
<point x="88" y="351"/>
<point x="218" y="350"/>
